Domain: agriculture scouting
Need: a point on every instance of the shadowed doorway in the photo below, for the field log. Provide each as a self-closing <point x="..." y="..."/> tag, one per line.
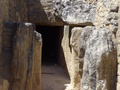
<point x="54" y="76"/>
<point x="52" y="52"/>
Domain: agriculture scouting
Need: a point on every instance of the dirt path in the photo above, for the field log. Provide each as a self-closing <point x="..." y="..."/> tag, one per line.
<point x="54" y="78"/>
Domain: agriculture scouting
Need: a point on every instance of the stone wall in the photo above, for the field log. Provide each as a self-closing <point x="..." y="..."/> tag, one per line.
<point x="118" y="49"/>
<point x="105" y="28"/>
<point x="19" y="70"/>
<point x="91" y="54"/>
<point x="100" y="59"/>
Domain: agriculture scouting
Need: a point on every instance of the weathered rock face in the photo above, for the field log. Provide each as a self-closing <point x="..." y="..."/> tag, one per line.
<point x="17" y="11"/>
<point x="66" y="48"/>
<point x="13" y="11"/>
<point x="4" y="10"/>
<point x="42" y="12"/>
<point x="71" y="56"/>
<point x="75" y="12"/>
<point x="106" y="11"/>
<point x="3" y="17"/>
<point x="19" y="59"/>
<point x="57" y="12"/>
<point x="100" y="61"/>
<point x="22" y="62"/>
<point x="37" y="52"/>
<point x="60" y="12"/>
<point x="92" y="66"/>
<point x="118" y="49"/>
<point x="8" y="31"/>
<point x="75" y="76"/>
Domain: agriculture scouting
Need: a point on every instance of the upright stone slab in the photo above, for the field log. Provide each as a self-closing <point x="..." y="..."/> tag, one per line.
<point x="37" y="52"/>
<point x="22" y="63"/>
<point x="118" y="49"/>
<point x="7" y="34"/>
<point x="4" y="8"/>
<point x="75" y="75"/>
<point x="100" y="61"/>
<point x="66" y="48"/>
<point x="20" y="57"/>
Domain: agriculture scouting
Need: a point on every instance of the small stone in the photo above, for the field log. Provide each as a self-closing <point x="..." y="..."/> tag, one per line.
<point x="114" y="22"/>
<point x="112" y="15"/>
<point x="114" y="8"/>
<point x="114" y="29"/>
<point x="107" y="23"/>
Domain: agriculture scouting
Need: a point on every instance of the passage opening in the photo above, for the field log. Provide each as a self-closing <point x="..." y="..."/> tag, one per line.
<point x="52" y="52"/>
<point x="54" y="76"/>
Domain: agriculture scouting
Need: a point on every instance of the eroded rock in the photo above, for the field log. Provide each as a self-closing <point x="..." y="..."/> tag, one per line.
<point x="76" y="12"/>
<point x="20" y="67"/>
<point x="37" y="52"/>
<point x="75" y="76"/>
<point x="66" y="48"/>
<point x="22" y="63"/>
<point x="100" y="61"/>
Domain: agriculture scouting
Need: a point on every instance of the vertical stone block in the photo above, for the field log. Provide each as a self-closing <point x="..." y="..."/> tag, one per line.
<point x="66" y="48"/>
<point x="22" y="63"/>
<point x="74" y="63"/>
<point x="100" y="59"/>
<point x="37" y="52"/>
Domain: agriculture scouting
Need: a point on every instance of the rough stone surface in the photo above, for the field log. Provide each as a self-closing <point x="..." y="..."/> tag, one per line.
<point x="59" y="12"/>
<point x="17" y="11"/>
<point x="118" y="49"/>
<point x="4" y="8"/>
<point x="106" y="10"/>
<point x="92" y="66"/>
<point x="37" y="52"/>
<point x="66" y="48"/>
<point x="100" y="61"/>
<point x="3" y="17"/>
<point x="75" y="12"/>
<point x="22" y="62"/>
<point x="18" y="68"/>
<point x="27" y="69"/>
<point x="8" y="32"/>
<point x="75" y="76"/>
<point x="42" y="12"/>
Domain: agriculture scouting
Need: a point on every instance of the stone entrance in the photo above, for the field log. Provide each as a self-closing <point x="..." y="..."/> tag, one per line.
<point x="52" y="52"/>
<point x="54" y="76"/>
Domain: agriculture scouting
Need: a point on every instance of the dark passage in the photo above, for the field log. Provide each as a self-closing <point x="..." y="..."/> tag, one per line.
<point x="51" y="51"/>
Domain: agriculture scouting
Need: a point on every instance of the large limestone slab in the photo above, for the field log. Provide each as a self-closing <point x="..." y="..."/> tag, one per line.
<point x="20" y="57"/>
<point x="75" y="75"/>
<point x="42" y="12"/>
<point x="66" y="47"/>
<point x="60" y="12"/>
<point x="17" y="11"/>
<point x="4" y="8"/>
<point x="76" y="12"/>
<point x="37" y="53"/>
<point x="22" y="62"/>
<point x="100" y="59"/>
<point x="7" y="34"/>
